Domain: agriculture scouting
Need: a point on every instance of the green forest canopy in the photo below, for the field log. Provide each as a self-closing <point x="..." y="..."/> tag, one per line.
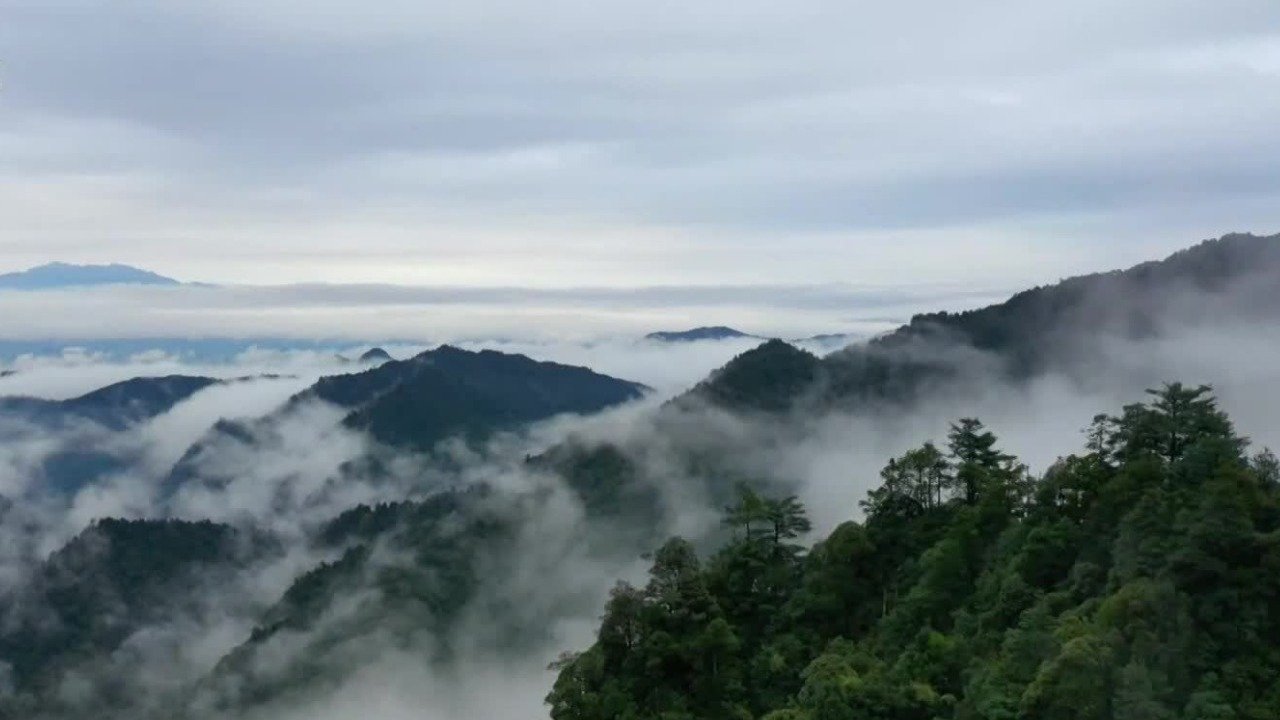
<point x="1139" y="579"/>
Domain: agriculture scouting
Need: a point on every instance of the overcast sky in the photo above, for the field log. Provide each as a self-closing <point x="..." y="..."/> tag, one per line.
<point x="591" y="142"/>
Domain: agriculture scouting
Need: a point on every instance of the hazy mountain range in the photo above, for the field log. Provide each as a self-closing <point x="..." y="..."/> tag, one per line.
<point x="723" y="332"/>
<point x="59" y="275"/>
<point x="431" y="506"/>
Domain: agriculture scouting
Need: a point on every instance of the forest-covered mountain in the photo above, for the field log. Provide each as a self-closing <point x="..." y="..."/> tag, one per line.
<point x="121" y="577"/>
<point x="112" y="580"/>
<point x="773" y="378"/>
<point x="439" y="394"/>
<point x="1056" y="327"/>
<point x="1134" y="579"/>
<point x="415" y="568"/>
<point x="1139" y="578"/>
<point x="449" y="391"/>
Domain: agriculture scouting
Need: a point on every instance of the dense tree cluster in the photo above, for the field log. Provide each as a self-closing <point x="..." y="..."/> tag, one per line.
<point x="1138" y="580"/>
<point x="90" y="596"/>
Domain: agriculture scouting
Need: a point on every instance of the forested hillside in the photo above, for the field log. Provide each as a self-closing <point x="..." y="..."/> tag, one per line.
<point x="414" y="404"/>
<point x="1139" y="578"/>
<point x="108" y="583"/>
<point x="1058" y="327"/>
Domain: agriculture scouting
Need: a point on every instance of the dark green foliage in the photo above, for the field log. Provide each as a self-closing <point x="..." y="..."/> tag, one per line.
<point x="761" y="521"/>
<point x="1140" y="580"/>
<point x="771" y="377"/>
<point x="1267" y="467"/>
<point x="606" y="481"/>
<point x="362" y="523"/>
<point x="414" y="552"/>
<point x="107" y="582"/>
<point x="409" y="569"/>
<point x="448" y="391"/>
<point x="917" y="481"/>
<point x="437" y="395"/>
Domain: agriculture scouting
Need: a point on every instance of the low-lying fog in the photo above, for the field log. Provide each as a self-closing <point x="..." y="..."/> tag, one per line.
<point x="834" y="461"/>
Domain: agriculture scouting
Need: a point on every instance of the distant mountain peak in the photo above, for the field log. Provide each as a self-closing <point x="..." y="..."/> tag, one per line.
<point x="712" y="332"/>
<point x="767" y="377"/>
<point x="54" y="275"/>
<point x="436" y="395"/>
<point x="375" y="355"/>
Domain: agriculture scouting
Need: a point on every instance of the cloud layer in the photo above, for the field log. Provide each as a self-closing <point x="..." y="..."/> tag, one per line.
<point x="285" y="485"/>
<point x="624" y="143"/>
<point x="303" y="316"/>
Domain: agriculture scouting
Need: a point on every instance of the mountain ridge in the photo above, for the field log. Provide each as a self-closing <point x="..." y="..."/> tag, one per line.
<point x="415" y="403"/>
<point x="114" y="406"/>
<point x="708" y="332"/>
<point x="1033" y="330"/>
<point x="59" y="275"/>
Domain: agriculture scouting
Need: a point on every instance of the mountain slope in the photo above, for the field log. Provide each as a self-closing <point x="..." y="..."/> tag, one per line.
<point x="81" y="431"/>
<point x="1051" y="327"/>
<point x="63" y="275"/>
<point x="1135" y="580"/>
<point x="109" y="581"/>
<point x="114" y="407"/>
<point x="436" y="395"/>
<point x="415" y="566"/>
<point x="1241" y="271"/>
<point x="472" y="394"/>
<point x="769" y="377"/>
<point x="448" y="391"/>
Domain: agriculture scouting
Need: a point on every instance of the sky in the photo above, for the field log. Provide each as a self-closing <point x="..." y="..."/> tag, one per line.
<point x="566" y="143"/>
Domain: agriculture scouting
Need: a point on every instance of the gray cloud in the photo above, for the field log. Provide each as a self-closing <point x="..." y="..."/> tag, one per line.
<point x="506" y="143"/>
